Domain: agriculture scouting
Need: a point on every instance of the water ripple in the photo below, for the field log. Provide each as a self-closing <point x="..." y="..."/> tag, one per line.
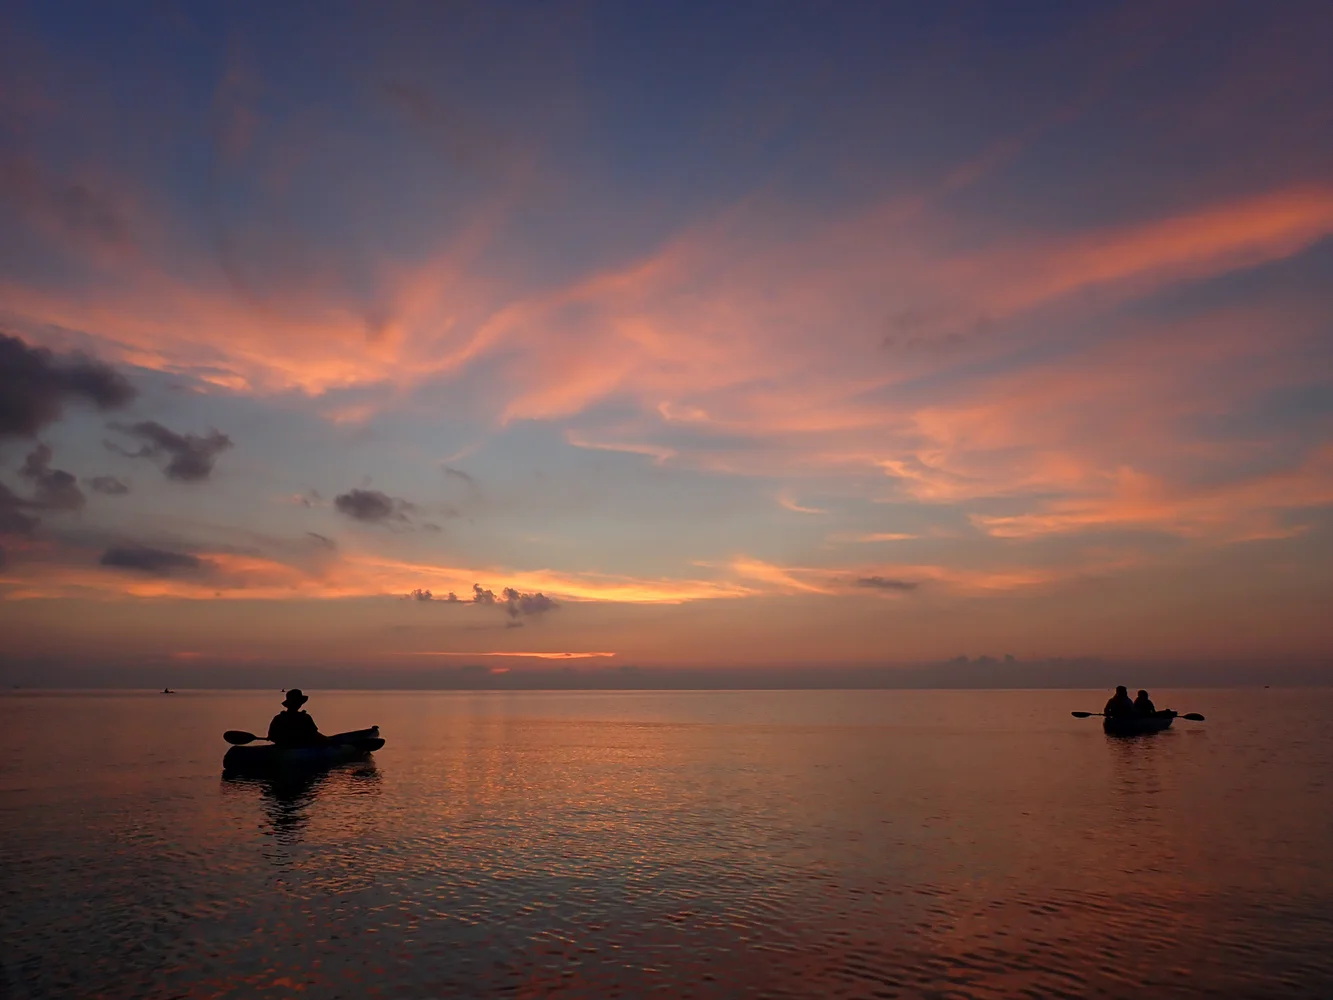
<point x="625" y="848"/>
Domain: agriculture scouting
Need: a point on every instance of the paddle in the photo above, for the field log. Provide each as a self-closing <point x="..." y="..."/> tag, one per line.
<point x="1192" y="716"/>
<point x="239" y="737"/>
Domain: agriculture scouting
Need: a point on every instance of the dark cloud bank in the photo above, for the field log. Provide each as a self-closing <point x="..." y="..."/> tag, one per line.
<point x="35" y="385"/>
<point x="150" y="561"/>
<point x="13" y="520"/>
<point x="373" y="507"/>
<point x="53" y="489"/>
<point x="188" y="458"/>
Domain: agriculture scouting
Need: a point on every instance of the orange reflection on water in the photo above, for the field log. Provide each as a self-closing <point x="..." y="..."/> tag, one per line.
<point x="707" y="844"/>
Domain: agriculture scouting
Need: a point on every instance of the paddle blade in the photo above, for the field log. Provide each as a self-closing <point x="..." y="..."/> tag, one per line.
<point x="238" y="737"/>
<point x="1084" y="715"/>
<point x="1193" y="717"/>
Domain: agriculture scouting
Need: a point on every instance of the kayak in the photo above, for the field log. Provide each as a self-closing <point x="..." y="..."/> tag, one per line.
<point x="267" y="757"/>
<point x="1132" y="725"/>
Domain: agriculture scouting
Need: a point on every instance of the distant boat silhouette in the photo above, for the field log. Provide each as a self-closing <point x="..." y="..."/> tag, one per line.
<point x="168" y="691"/>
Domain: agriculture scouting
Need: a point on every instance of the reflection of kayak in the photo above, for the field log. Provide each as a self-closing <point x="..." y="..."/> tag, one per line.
<point x="343" y="748"/>
<point x="1131" y="725"/>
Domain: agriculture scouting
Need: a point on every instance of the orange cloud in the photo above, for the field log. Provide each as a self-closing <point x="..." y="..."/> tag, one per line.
<point x="746" y="354"/>
<point x="785" y="500"/>
<point x="1242" y="511"/>
<point x="221" y="575"/>
<point x="782" y="579"/>
<point x="657" y="453"/>
<point x="718" y="309"/>
<point x="227" y="575"/>
<point x="1212" y="241"/>
<point x="871" y="537"/>
<point x="845" y="581"/>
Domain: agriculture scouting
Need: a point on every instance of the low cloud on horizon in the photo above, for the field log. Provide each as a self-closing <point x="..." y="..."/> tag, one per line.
<point x="512" y="602"/>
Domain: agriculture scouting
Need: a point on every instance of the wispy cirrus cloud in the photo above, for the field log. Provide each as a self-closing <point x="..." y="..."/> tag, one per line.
<point x="981" y="364"/>
<point x="783" y="404"/>
<point x="908" y="578"/>
<point x="786" y="501"/>
<point x="873" y="536"/>
<point x="1242" y="510"/>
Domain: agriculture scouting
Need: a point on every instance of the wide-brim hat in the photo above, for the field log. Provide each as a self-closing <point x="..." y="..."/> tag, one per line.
<point x="295" y="698"/>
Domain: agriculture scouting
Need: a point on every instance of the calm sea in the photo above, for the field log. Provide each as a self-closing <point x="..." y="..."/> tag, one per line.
<point x="696" y="844"/>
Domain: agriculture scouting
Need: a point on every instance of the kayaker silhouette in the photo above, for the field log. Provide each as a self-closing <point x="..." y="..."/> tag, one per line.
<point x="293" y="727"/>
<point x="1143" y="704"/>
<point x="1119" y="705"/>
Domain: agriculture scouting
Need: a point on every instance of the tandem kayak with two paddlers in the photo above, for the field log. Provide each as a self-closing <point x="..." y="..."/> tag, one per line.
<point x="340" y="749"/>
<point x="1133" y="725"/>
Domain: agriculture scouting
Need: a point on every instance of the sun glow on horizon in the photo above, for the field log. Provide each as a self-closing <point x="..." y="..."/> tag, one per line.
<point x="533" y="656"/>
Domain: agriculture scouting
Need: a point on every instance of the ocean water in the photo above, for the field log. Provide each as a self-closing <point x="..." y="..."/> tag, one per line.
<point x="681" y="844"/>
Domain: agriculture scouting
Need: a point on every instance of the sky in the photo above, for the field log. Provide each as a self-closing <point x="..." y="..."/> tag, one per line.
<point x="576" y="335"/>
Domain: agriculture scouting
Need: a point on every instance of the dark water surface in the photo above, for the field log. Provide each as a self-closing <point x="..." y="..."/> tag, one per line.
<point x="790" y="844"/>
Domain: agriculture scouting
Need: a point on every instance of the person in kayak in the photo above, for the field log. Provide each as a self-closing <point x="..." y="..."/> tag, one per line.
<point x="1119" y="705"/>
<point x="294" y="728"/>
<point x="1143" y="705"/>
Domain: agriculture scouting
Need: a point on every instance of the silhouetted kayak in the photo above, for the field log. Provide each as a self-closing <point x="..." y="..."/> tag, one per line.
<point x="270" y="757"/>
<point x="1134" y="724"/>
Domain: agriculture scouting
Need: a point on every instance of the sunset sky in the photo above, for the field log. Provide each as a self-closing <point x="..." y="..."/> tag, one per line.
<point x="664" y="334"/>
